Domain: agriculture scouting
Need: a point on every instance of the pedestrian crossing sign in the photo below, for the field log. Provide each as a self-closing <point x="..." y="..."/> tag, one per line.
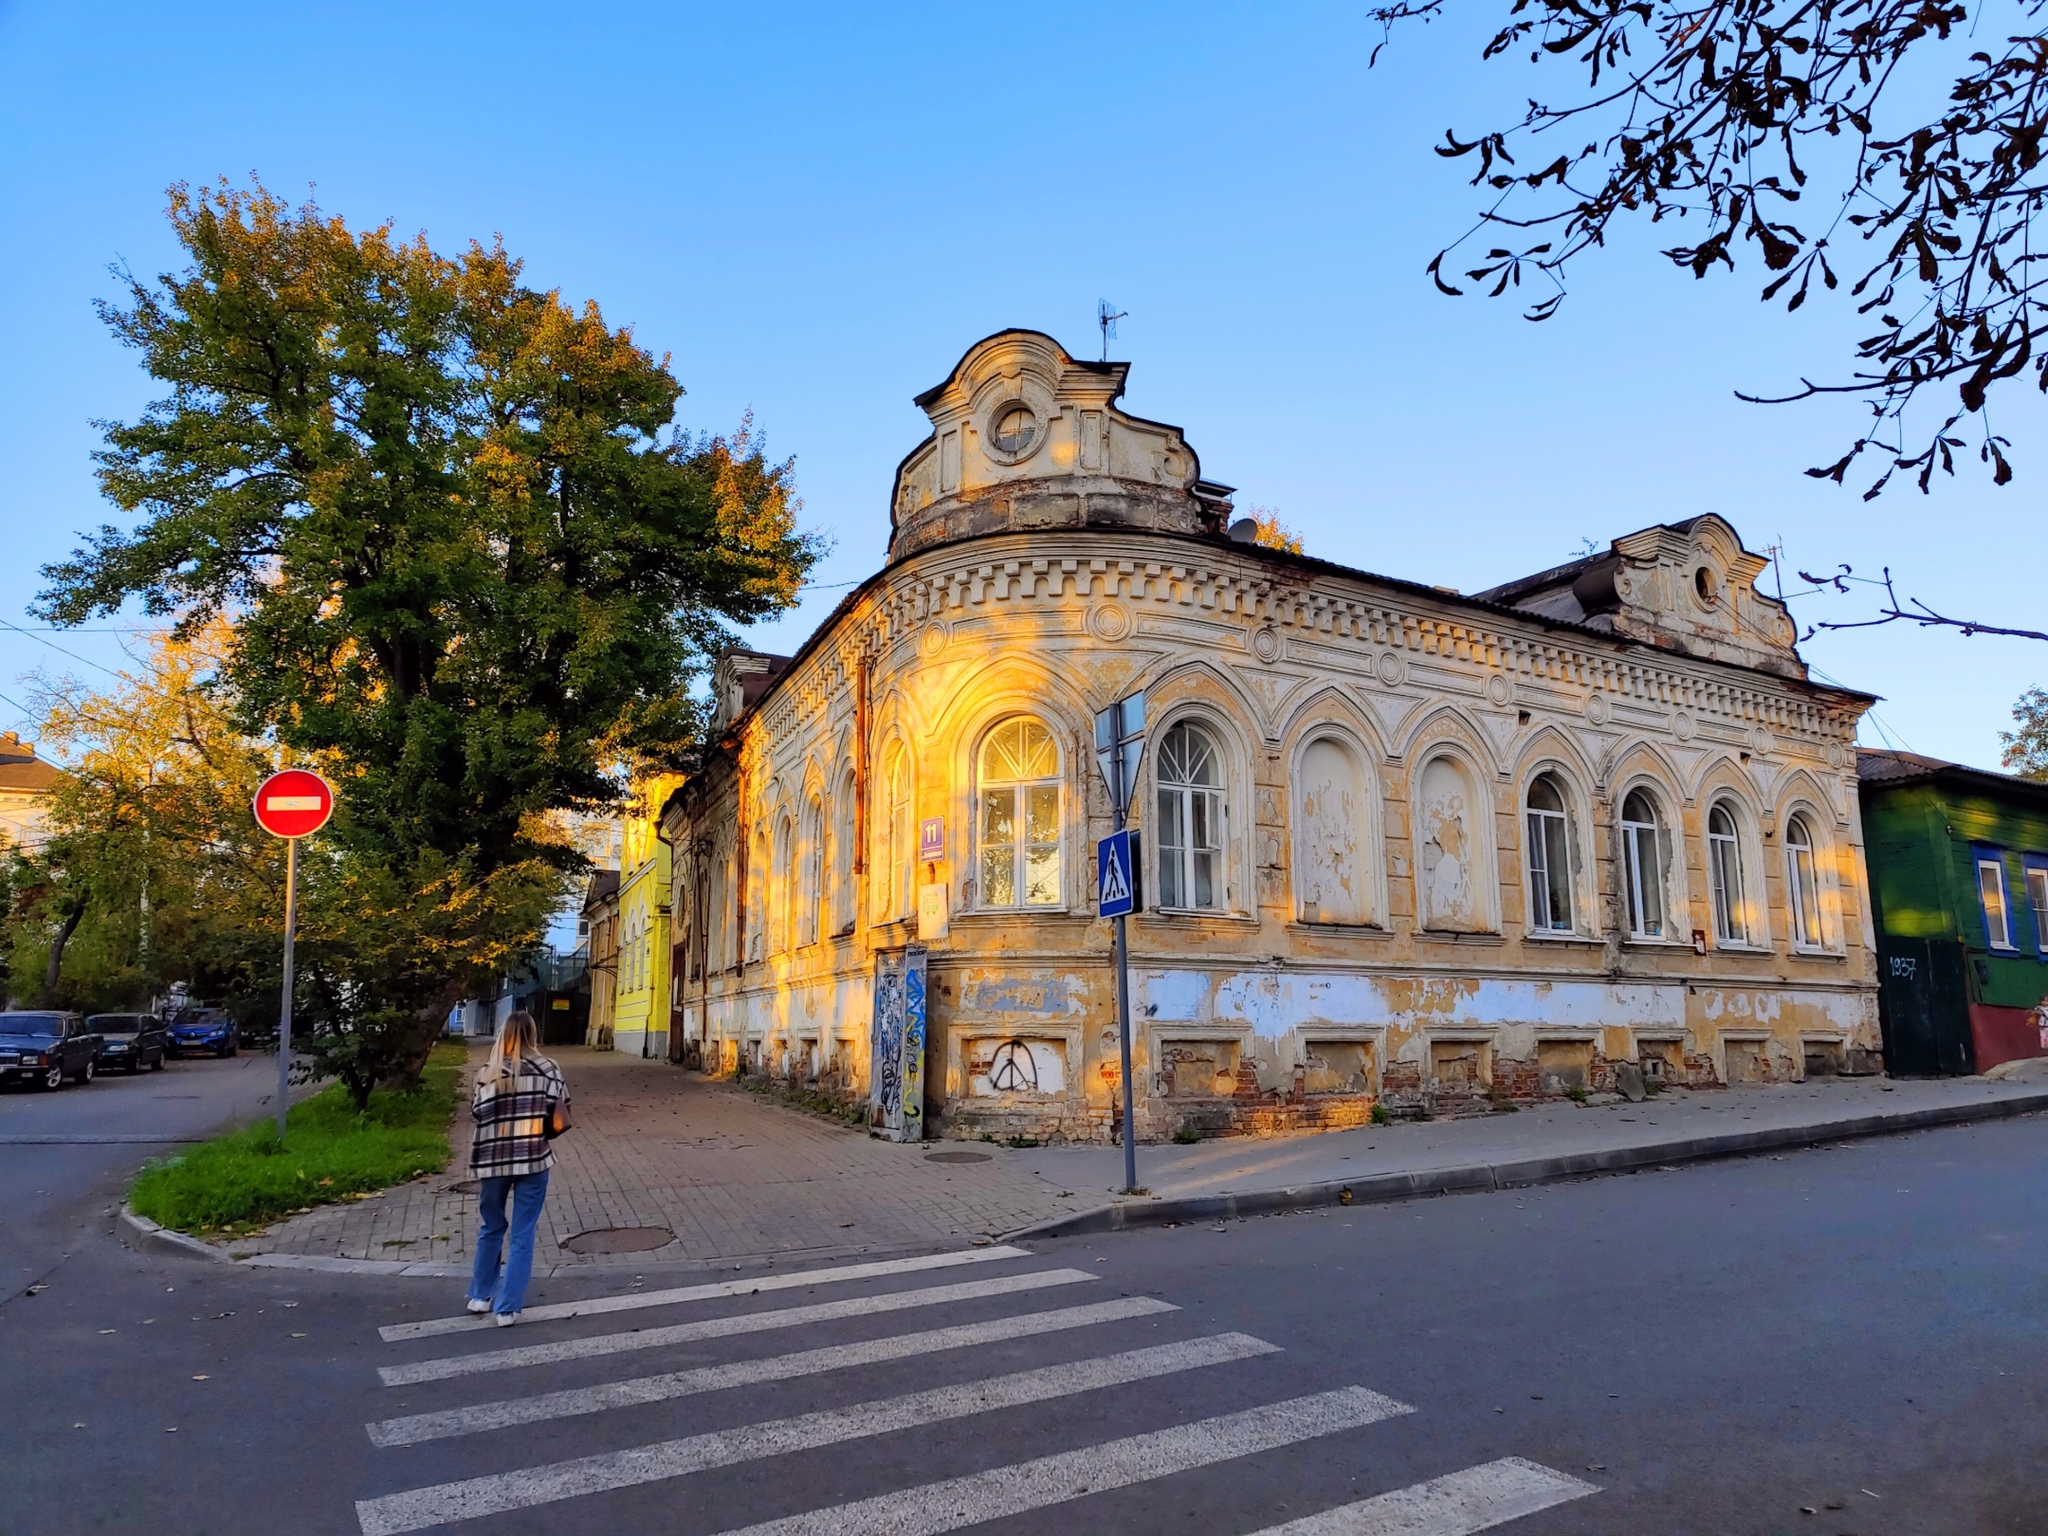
<point x="1116" y="874"/>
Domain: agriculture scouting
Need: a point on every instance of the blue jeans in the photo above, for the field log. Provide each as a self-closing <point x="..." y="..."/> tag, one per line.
<point x="527" y="1190"/>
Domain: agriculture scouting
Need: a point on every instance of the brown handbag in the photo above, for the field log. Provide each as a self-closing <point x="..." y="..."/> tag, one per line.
<point x="559" y="1121"/>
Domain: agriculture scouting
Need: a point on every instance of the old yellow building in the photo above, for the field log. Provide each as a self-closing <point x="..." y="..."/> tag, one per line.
<point x="1400" y="845"/>
<point x="636" y="1005"/>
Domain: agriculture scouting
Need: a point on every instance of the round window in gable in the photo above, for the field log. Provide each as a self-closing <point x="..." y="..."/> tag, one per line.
<point x="1015" y="431"/>
<point x="1706" y="586"/>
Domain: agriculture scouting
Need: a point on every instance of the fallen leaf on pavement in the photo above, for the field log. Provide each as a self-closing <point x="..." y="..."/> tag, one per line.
<point x="200" y="1377"/>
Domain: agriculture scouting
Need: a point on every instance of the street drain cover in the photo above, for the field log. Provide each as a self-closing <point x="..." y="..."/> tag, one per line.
<point x="956" y="1157"/>
<point x="620" y="1240"/>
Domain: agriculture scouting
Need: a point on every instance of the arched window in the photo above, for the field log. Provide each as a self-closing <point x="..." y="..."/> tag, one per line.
<point x="1550" y="857"/>
<point x="758" y="872"/>
<point x="1724" y="872"/>
<point x="839" y="892"/>
<point x="1019" y="790"/>
<point x="899" y="839"/>
<point x="1447" y="834"/>
<point x="810" y="861"/>
<point x="1330" y="872"/>
<point x="1644" y="849"/>
<point x="782" y="891"/>
<point x="1190" y="781"/>
<point x="1802" y="883"/>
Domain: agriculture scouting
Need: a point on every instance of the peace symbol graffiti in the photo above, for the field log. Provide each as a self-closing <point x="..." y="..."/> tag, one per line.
<point x="1012" y="1069"/>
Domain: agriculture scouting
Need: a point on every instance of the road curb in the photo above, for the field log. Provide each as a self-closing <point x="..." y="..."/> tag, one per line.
<point x="177" y="1241"/>
<point x="1386" y="1188"/>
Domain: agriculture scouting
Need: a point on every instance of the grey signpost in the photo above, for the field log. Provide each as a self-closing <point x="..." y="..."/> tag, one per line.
<point x="1119" y="745"/>
<point x="292" y="804"/>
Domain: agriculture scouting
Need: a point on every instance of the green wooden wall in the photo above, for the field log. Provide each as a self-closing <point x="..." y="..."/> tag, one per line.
<point x="1917" y="839"/>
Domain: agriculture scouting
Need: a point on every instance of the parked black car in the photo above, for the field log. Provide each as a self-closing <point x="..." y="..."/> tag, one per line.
<point x="131" y="1040"/>
<point x="209" y="1031"/>
<point x="46" y="1047"/>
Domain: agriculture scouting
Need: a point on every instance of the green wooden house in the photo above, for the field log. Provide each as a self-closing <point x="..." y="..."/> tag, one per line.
<point x="1959" y="886"/>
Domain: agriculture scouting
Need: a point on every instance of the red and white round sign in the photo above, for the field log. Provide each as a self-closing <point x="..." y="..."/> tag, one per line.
<point x="294" y="803"/>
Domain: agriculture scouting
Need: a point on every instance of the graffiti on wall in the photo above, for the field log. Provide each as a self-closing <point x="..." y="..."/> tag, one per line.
<point x="896" y="1077"/>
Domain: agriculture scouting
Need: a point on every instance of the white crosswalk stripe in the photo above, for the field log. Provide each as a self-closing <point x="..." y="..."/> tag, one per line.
<point x="636" y="1300"/>
<point x="720" y="1327"/>
<point x="962" y="1501"/>
<point x="418" y="1427"/>
<point x="1476" y="1499"/>
<point x="1458" y="1503"/>
<point x="476" y="1496"/>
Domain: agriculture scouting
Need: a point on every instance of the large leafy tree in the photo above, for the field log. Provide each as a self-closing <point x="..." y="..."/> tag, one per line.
<point x="1813" y="136"/>
<point x="468" y="563"/>
<point x="466" y="553"/>
<point x="154" y="873"/>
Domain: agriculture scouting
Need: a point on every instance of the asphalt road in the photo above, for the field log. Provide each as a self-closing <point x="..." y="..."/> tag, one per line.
<point x="66" y="1157"/>
<point x="1711" y="1349"/>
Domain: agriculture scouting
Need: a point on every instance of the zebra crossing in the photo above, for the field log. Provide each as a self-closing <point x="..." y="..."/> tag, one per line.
<point x="1024" y="1306"/>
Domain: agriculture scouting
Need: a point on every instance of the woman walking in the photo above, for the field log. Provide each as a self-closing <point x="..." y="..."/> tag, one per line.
<point x="521" y="1105"/>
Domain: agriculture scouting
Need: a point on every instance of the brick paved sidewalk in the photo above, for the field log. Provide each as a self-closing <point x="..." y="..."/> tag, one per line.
<point x="732" y="1175"/>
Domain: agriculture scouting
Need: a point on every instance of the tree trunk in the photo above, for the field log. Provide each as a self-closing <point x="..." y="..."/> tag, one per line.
<point x="55" y="968"/>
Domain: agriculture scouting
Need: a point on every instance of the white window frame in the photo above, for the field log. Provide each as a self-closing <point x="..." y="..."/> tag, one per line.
<point x="1020" y="846"/>
<point x="2000" y="935"/>
<point x="1636" y="912"/>
<point x="1539" y="855"/>
<point x="897" y="803"/>
<point x="1176" y="801"/>
<point x="1730" y="909"/>
<point x="1804" y="885"/>
<point x="2037" y="899"/>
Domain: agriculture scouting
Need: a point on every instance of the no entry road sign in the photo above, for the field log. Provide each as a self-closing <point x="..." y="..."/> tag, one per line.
<point x="294" y="803"/>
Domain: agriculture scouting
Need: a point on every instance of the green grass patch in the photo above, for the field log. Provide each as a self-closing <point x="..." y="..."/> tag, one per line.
<point x="247" y="1179"/>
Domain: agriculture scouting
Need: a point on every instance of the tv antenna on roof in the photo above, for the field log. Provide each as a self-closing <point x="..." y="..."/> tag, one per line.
<point x="1106" y="316"/>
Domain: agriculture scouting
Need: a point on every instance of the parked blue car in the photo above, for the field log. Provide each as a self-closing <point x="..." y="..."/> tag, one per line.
<point x="203" y="1031"/>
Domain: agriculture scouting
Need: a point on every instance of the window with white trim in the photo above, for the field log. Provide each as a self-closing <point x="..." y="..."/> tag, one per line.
<point x="2037" y="898"/>
<point x="1018" y="790"/>
<point x="1550" y="857"/>
<point x="899" y="839"/>
<point x="1991" y="892"/>
<point x="1189" y="776"/>
<point x="1644" y="849"/>
<point x="1724" y="872"/>
<point x="1802" y="883"/>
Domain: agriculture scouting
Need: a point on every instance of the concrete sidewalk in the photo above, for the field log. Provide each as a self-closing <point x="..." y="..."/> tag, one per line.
<point x="701" y="1172"/>
<point x="1238" y="1176"/>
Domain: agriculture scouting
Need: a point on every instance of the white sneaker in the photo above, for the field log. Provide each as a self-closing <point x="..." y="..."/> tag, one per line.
<point x="505" y="1319"/>
<point x="478" y="1308"/>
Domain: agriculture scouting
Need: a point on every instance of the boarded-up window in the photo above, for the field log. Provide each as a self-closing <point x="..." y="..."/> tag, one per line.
<point x="1329" y="863"/>
<point x="1448" y="849"/>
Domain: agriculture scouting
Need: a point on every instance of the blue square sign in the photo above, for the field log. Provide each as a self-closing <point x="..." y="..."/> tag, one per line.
<point x="1116" y="875"/>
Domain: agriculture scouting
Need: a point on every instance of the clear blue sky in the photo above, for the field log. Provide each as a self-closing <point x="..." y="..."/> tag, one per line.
<point x="817" y="210"/>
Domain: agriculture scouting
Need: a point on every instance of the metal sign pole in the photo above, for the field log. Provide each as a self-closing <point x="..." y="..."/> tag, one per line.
<point x="284" y="1018"/>
<point x="1123" y="995"/>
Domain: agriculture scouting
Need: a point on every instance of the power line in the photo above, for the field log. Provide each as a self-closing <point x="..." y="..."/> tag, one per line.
<point x="53" y="645"/>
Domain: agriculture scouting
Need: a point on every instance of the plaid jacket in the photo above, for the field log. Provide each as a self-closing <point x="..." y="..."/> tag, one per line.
<point x="512" y="1120"/>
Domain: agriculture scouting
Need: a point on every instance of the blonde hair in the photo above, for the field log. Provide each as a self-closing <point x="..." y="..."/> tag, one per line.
<point x="517" y="1039"/>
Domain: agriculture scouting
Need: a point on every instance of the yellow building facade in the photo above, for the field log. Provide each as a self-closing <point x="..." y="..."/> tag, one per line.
<point x="637" y="1010"/>
<point x="1400" y="846"/>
